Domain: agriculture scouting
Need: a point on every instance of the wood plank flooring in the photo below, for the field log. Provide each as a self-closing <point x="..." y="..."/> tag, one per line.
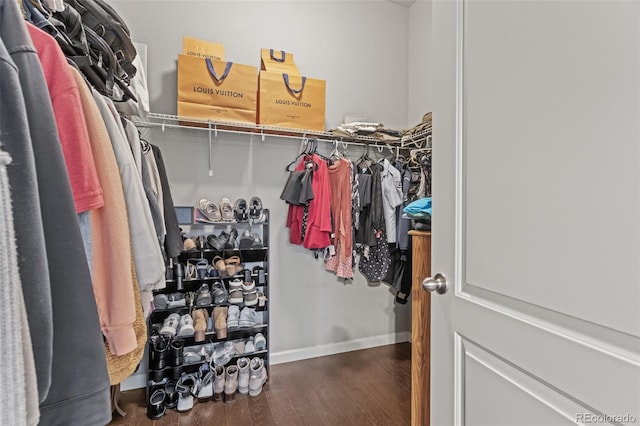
<point x="366" y="387"/>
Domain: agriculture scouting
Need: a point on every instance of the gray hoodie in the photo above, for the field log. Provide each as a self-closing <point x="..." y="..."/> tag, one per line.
<point x="79" y="391"/>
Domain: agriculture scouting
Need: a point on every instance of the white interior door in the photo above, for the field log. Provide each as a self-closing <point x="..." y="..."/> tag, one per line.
<point x="536" y="212"/>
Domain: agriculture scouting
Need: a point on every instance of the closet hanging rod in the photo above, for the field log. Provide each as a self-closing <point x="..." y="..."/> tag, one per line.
<point x="175" y="122"/>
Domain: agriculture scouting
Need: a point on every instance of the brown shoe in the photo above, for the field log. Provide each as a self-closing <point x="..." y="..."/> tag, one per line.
<point x="220" y="321"/>
<point x="200" y="319"/>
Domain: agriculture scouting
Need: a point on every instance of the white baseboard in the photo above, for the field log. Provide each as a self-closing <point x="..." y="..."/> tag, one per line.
<point x="339" y="347"/>
<point x="139" y="380"/>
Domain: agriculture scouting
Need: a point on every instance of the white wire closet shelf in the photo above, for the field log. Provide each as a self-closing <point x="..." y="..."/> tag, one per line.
<point x="418" y="140"/>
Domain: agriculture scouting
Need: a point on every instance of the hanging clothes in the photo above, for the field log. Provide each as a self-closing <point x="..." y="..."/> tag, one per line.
<point x="29" y="232"/>
<point x="311" y="227"/>
<point x="391" y="184"/>
<point x="112" y="281"/>
<point x="372" y="219"/>
<point x="155" y="183"/>
<point x="341" y="199"/>
<point x="149" y="263"/>
<point x="173" y="239"/>
<point x="70" y="121"/>
<point x="154" y="208"/>
<point x="22" y="404"/>
<point x="77" y="330"/>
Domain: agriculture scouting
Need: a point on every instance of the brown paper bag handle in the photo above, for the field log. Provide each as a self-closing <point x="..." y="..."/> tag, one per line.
<point x="294" y="91"/>
<point x="212" y="70"/>
<point x="284" y="55"/>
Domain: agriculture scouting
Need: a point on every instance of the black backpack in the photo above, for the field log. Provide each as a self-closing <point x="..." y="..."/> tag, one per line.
<point x="104" y="21"/>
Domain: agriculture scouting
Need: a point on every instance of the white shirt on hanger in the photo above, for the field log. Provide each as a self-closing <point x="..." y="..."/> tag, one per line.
<point x="391" y="197"/>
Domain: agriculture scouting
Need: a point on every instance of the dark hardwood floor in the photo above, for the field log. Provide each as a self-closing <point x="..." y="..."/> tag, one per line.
<point x="366" y="387"/>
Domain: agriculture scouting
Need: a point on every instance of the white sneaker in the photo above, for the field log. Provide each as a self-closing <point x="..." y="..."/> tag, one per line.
<point x="257" y="376"/>
<point x="243" y="375"/>
<point x="260" y="342"/>
<point x="249" y="346"/>
<point x="170" y="325"/>
<point x="185" y="328"/>
<point x="248" y="317"/>
<point x="233" y="315"/>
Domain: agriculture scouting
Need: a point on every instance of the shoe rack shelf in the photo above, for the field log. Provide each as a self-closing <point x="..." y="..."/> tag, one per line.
<point x="247" y="255"/>
<point x="194" y="284"/>
<point x="249" y="258"/>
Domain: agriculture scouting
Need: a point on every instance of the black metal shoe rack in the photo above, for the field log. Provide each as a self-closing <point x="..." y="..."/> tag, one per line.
<point x="250" y="257"/>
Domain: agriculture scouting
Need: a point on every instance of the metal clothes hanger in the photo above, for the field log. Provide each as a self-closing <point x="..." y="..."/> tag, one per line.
<point x="305" y="152"/>
<point x="336" y="154"/>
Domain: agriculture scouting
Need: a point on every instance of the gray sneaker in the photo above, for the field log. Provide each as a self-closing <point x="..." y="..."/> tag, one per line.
<point x="160" y="301"/>
<point x="257" y="376"/>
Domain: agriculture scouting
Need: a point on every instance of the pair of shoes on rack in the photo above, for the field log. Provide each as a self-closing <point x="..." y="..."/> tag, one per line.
<point x="253" y="344"/>
<point x="217" y="295"/>
<point x="243" y="292"/>
<point x="197" y="268"/>
<point x="177" y="325"/>
<point x="210" y="212"/>
<point x="225" y="382"/>
<point x="228" y="267"/>
<point x="252" y="376"/>
<point x="244" y="211"/>
<point x="245" y="318"/>
<point x="248" y="241"/>
<point x="226" y="240"/>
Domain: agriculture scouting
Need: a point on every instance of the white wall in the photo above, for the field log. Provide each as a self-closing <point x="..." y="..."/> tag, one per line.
<point x="360" y="48"/>
<point x="419" y="96"/>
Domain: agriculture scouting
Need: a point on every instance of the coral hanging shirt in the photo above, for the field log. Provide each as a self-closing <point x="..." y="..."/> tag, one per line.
<point x="318" y="229"/>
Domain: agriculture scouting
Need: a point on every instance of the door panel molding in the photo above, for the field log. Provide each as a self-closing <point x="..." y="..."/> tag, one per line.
<point x="569" y="367"/>
<point x="609" y="341"/>
<point x="523" y="381"/>
<point x="460" y="142"/>
<point x="459" y="379"/>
